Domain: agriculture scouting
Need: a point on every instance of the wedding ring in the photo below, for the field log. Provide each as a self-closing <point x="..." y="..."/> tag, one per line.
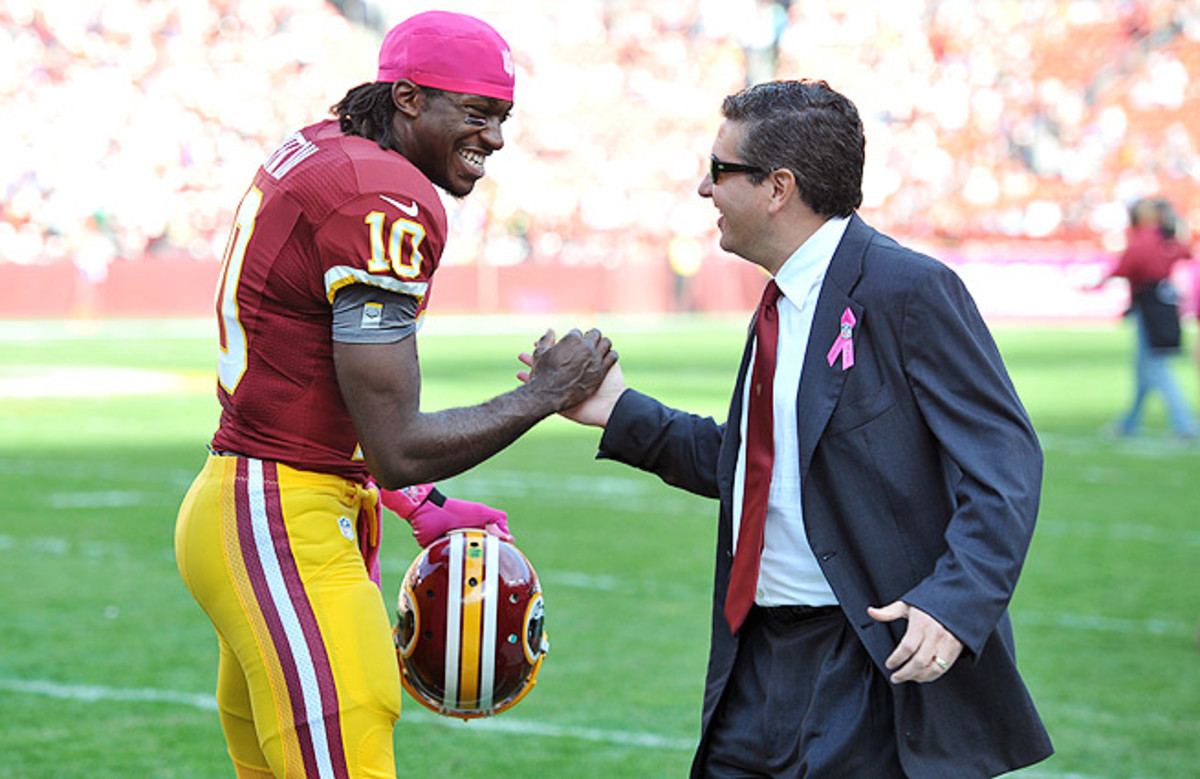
<point x="941" y="663"/>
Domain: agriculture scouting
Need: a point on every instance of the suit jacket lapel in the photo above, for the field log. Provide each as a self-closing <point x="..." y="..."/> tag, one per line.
<point x="821" y="383"/>
<point x="727" y="458"/>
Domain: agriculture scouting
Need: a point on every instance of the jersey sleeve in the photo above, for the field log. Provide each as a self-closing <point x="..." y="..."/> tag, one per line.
<point x="363" y="313"/>
<point x="387" y="241"/>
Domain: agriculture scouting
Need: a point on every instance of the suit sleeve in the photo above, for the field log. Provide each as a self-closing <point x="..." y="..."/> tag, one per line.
<point x="971" y="407"/>
<point x="680" y="448"/>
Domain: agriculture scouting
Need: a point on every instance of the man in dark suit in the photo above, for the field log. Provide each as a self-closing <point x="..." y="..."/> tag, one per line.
<point x="894" y="490"/>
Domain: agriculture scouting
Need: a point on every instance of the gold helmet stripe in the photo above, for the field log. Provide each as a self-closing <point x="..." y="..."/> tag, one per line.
<point x="472" y="617"/>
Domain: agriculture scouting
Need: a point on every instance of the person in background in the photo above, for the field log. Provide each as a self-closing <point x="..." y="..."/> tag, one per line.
<point x="1153" y="246"/>
<point x="1183" y="236"/>
<point x="328" y="271"/>
<point x="878" y="480"/>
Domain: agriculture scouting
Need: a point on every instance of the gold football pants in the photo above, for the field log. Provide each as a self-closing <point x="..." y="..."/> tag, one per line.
<point x="307" y="684"/>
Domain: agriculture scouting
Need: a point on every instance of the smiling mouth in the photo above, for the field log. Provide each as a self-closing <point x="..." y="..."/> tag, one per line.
<point x="474" y="161"/>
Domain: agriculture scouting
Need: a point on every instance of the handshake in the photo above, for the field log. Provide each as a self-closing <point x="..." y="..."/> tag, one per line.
<point x="432" y="515"/>
<point x="565" y="369"/>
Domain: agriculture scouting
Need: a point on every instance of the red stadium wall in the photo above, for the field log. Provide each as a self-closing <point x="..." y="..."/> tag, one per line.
<point x="180" y="287"/>
<point x="1026" y="282"/>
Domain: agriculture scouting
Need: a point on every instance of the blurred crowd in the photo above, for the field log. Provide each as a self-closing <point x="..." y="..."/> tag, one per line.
<point x="133" y="126"/>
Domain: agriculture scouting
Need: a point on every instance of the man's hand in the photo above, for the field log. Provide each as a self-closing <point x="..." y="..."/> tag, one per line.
<point x="597" y="408"/>
<point x="569" y="370"/>
<point x="927" y="650"/>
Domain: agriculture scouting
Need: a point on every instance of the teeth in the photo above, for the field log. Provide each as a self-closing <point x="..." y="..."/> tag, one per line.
<point x="473" y="158"/>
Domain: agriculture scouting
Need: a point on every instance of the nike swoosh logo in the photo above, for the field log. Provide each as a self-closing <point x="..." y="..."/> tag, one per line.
<point x="409" y="210"/>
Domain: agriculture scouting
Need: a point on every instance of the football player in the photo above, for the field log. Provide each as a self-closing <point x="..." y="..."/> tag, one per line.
<point x="328" y="271"/>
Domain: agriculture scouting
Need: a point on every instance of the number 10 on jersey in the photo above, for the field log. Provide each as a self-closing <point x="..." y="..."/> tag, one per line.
<point x="231" y="359"/>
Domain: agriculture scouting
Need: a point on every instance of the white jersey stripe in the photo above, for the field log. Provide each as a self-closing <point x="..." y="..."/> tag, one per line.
<point x="297" y="645"/>
<point x="341" y="275"/>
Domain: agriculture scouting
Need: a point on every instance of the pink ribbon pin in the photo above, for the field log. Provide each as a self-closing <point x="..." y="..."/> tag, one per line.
<point x="844" y="343"/>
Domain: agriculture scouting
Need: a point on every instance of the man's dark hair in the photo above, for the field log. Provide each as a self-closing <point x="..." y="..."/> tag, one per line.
<point x="367" y="111"/>
<point x="810" y="129"/>
<point x="1168" y="222"/>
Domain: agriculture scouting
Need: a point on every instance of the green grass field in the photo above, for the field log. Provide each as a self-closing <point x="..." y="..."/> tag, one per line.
<point x="107" y="666"/>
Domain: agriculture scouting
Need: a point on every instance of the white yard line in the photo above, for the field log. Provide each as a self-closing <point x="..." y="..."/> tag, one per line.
<point x="1103" y="624"/>
<point x="42" y="382"/>
<point x="413" y="714"/>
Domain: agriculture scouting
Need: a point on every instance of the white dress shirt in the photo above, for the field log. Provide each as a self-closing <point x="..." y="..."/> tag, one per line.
<point x="789" y="574"/>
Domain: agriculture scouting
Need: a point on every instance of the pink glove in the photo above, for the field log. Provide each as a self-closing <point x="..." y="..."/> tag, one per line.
<point x="432" y="515"/>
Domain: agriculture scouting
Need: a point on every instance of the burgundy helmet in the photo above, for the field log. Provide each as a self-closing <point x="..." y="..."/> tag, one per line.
<point x="470" y="631"/>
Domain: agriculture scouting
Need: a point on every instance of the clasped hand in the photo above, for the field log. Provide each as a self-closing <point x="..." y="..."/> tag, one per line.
<point x="572" y="368"/>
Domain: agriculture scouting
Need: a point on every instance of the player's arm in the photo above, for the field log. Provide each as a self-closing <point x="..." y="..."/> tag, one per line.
<point x="402" y="445"/>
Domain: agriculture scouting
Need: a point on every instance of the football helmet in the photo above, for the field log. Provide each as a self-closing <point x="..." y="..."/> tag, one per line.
<point x="470" y="629"/>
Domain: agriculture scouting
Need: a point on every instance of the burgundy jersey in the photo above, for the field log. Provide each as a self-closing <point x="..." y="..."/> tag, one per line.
<point x="326" y="210"/>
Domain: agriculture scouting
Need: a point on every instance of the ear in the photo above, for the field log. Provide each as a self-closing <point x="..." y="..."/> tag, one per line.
<point x="407" y="97"/>
<point x="783" y="188"/>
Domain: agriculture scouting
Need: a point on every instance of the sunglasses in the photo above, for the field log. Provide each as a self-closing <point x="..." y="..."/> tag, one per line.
<point x="716" y="167"/>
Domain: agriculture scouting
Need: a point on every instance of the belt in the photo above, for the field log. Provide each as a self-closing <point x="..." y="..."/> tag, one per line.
<point x="220" y="453"/>
<point x="790" y="615"/>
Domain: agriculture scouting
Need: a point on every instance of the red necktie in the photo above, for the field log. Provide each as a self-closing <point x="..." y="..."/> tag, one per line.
<point x="760" y="452"/>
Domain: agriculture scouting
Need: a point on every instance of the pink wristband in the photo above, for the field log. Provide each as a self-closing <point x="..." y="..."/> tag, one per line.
<point x="406" y="500"/>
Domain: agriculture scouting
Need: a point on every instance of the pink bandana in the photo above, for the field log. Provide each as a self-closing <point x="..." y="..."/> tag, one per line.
<point x="450" y="51"/>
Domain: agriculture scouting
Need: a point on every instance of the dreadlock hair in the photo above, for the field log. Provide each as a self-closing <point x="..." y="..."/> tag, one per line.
<point x="366" y="111"/>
